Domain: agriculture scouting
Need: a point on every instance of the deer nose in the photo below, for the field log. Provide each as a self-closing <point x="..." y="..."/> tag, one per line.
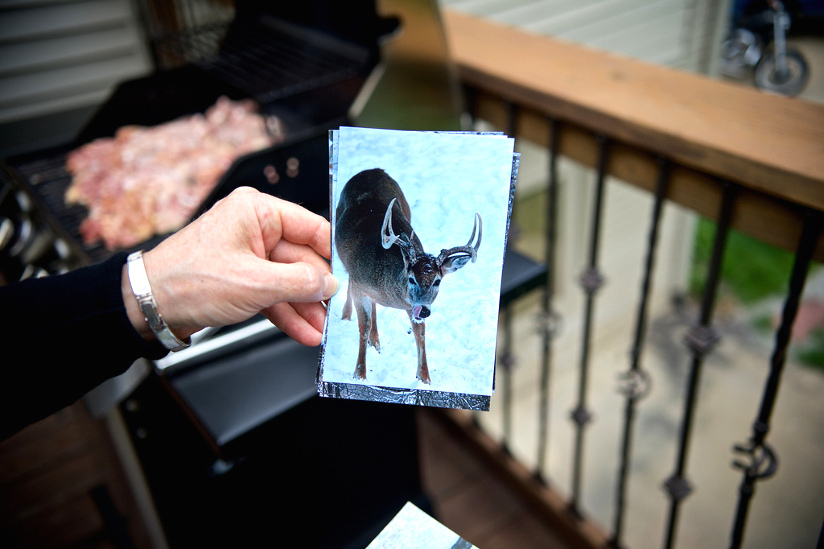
<point x="425" y="312"/>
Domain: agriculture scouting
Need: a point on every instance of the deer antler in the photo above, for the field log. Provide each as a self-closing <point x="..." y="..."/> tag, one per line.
<point x="388" y="236"/>
<point x="468" y="249"/>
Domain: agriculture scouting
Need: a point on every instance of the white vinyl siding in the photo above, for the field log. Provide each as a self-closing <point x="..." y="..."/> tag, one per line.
<point x="678" y="33"/>
<point x="60" y="55"/>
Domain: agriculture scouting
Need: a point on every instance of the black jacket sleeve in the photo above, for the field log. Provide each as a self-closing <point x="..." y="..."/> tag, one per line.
<point x="62" y="336"/>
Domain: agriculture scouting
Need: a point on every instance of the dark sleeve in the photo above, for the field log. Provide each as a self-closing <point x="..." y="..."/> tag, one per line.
<point x="62" y="336"/>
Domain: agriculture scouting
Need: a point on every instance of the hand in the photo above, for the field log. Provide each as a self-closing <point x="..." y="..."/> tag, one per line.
<point x="249" y="253"/>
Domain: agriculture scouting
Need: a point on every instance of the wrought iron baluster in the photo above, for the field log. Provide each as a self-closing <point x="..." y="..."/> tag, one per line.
<point x="701" y="339"/>
<point x="471" y="98"/>
<point x="549" y="319"/>
<point x="507" y="358"/>
<point x="507" y="362"/>
<point x="636" y="380"/>
<point x="763" y="461"/>
<point x="591" y="280"/>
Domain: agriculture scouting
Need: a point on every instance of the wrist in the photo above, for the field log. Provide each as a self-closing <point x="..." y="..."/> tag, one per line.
<point x="142" y="307"/>
<point x="136" y="318"/>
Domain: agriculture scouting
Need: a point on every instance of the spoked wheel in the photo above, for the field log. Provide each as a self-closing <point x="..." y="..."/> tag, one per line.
<point x="769" y="78"/>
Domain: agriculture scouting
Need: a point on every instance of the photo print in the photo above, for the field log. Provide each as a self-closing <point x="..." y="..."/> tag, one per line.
<point x="412" y="528"/>
<point x="419" y="229"/>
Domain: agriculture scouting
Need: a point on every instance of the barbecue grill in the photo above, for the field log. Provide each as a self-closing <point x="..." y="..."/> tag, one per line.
<point x="306" y="76"/>
<point x="237" y="416"/>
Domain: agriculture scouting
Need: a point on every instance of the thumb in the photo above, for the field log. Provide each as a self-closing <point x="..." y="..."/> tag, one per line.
<point x="300" y="282"/>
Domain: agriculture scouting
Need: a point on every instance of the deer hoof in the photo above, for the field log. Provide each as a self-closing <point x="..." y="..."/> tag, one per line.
<point x="360" y="371"/>
<point x="424" y="378"/>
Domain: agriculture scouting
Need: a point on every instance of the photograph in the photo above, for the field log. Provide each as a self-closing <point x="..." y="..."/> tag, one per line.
<point x="419" y="229"/>
<point x="412" y="528"/>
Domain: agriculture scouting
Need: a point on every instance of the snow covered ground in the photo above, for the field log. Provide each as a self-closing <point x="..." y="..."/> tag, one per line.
<point x="446" y="178"/>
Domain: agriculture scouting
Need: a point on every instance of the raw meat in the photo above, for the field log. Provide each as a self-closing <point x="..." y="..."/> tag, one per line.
<point x="146" y="181"/>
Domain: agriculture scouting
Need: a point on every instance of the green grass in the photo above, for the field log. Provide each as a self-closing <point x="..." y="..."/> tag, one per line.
<point x="752" y="270"/>
<point x="812" y="353"/>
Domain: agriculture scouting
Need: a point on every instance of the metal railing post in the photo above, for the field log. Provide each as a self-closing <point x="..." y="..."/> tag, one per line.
<point x="591" y="280"/>
<point x="763" y="461"/>
<point x="635" y="382"/>
<point x="549" y="320"/>
<point x="701" y="339"/>
<point x="507" y="359"/>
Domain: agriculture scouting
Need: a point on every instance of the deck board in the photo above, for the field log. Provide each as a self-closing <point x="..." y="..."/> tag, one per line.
<point x="469" y="499"/>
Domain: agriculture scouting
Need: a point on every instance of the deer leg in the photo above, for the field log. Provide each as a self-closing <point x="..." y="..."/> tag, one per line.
<point x="347" y="305"/>
<point x="419" y="330"/>
<point x="364" y="323"/>
<point x="373" y="328"/>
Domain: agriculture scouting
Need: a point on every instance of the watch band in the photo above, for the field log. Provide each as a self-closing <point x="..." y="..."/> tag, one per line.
<point x="142" y="291"/>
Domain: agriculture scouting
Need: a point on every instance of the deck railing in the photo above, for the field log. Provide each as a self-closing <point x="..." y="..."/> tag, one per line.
<point x="748" y="161"/>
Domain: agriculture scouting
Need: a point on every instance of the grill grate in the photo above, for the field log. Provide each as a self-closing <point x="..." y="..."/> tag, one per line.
<point x="48" y="178"/>
<point x="268" y="61"/>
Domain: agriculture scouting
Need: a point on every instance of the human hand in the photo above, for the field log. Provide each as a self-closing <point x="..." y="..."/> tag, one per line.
<point x="249" y="253"/>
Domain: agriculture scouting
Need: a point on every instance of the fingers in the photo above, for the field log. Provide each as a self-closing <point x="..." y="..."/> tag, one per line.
<point x="299" y="282"/>
<point x="282" y="220"/>
<point x="303" y="322"/>
<point x="249" y="253"/>
<point x="288" y="252"/>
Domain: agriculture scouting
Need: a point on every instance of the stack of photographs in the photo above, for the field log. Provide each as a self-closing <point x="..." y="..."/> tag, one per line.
<point x="419" y="228"/>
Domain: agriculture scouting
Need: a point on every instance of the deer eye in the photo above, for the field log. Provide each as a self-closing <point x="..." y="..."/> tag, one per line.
<point x="412" y="280"/>
<point x="437" y="282"/>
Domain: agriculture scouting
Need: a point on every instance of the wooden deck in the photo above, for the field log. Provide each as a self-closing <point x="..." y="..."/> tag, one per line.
<point x="471" y="499"/>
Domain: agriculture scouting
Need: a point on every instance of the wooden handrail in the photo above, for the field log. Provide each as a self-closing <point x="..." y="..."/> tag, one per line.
<point x="772" y="146"/>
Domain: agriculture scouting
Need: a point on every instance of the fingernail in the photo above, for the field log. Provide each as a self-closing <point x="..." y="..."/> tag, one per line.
<point x="331" y="285"/>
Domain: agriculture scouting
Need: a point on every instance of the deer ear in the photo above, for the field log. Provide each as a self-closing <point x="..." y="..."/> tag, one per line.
<point x="408" y="254"/>
<point x="454" y="262"/>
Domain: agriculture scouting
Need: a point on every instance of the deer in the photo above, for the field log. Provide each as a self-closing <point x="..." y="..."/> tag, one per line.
<point x="386" y="261"/>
